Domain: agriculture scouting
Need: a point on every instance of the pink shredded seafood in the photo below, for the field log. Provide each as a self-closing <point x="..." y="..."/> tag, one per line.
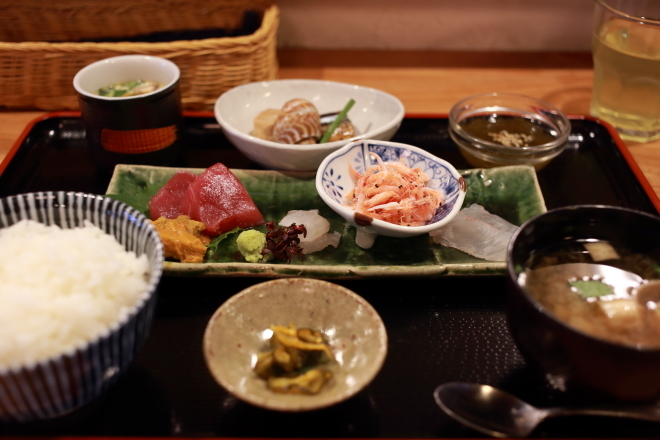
<point x="395" y="193"/>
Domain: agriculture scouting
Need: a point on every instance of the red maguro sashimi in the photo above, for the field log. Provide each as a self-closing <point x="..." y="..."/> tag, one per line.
<point x="220" y="201"/>
<point x="167" y="201"/>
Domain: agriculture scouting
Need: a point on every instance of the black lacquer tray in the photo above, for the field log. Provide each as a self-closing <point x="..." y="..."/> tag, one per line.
<point x="440" y="330"/>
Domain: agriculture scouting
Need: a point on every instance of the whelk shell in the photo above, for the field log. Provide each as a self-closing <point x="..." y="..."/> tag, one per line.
<point x="299" y="122"/>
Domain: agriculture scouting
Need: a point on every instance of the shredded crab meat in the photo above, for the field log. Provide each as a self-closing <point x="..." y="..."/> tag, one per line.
<point x="395" y="193"/>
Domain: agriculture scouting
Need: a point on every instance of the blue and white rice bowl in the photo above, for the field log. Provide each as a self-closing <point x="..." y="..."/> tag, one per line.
<point x="62" y="383"/>
<point x="334" y="182"/>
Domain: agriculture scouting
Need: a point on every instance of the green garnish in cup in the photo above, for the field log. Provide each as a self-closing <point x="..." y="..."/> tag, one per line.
<point x="129" y="88"/>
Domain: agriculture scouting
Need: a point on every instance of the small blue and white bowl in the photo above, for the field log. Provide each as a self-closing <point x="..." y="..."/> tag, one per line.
<point x="334" y="182"/>
<point x="62" y="383"/>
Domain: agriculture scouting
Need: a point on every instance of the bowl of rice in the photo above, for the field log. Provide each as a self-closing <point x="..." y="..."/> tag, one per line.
<point x="79" y="277"/>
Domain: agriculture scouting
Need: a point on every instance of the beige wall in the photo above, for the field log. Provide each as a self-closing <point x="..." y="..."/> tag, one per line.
<point x="480" y="25"/>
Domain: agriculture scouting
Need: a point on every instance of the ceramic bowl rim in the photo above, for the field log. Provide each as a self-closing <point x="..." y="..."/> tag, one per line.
<point x="256" y="289"/>
<point x="413" y="230"/>
<point x="136" y="59"/>
<point x="396" y="120"/>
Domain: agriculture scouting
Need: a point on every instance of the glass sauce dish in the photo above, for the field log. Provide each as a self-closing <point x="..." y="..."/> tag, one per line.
<point x="497" y="129"/>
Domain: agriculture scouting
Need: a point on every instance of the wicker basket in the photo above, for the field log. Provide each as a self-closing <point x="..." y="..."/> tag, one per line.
<point x="38" y="75"/>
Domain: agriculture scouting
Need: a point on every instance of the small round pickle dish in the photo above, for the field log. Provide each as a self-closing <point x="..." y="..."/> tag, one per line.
<point x="239" y="331"/>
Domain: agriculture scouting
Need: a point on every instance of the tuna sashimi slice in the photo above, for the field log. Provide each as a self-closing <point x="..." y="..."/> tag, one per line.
<point x="167" y="201"/>
<point x="219" y="200"/>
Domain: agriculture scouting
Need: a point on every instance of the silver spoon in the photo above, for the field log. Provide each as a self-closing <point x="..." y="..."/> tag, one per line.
<point x="500" y="414"/>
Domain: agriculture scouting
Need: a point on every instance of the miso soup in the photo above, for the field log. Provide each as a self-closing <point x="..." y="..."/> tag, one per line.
<point x="129" y="88"/>
<point x="609" y="306"/>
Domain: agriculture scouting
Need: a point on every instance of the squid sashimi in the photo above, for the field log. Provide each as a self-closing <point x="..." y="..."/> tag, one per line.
<point x="395" y="193"/>
<point x="477" y="232"/>
<point x="220" y="201"/>
<point x="167" y="201"/>
<point x="318" y="235"/>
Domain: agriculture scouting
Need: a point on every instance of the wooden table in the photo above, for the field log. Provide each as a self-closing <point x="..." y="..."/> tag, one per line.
<point x="431" y="82"/>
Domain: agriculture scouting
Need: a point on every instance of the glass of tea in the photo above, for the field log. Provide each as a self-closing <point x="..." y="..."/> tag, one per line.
<point x="626" y="54"/>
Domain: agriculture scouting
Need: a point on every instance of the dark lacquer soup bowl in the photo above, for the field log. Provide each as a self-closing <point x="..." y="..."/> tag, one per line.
<point x="582" y="300"/>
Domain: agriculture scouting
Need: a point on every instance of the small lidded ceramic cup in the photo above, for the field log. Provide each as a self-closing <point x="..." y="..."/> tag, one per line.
<point x="132" y="111"/>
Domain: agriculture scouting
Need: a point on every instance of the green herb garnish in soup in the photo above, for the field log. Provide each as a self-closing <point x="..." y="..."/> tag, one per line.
<point x="590" y="288"/>
<point x="129" y="88"/>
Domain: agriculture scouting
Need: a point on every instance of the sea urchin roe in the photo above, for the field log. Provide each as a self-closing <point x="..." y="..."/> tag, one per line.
<point x="183" y="239"/>
<point x="395" y="193"/>
<point x="293" y="365"/>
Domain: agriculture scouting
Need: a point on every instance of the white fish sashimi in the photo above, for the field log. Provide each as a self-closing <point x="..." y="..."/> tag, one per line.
<point x="477" y="232"/>
<point x="318" y="236"/>
<point x="315" y="224"/>
<point x="325" y="240"/>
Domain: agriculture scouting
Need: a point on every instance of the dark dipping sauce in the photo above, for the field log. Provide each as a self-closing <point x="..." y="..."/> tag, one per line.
<point x="509" y="130"/>
<point x="603" y="307"/>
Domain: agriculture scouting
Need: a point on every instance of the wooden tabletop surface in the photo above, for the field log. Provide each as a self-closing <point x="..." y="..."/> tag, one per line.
<point x="431" y="82"/>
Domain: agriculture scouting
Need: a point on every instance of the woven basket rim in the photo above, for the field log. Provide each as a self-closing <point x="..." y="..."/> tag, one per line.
<point x="269" y="18"/>
<point x="38" y="74"/>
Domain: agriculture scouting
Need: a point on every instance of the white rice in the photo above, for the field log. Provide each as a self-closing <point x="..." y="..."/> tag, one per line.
<point x="62" y="288"/>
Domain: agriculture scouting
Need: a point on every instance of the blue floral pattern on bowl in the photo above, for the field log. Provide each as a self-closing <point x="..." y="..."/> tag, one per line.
<point x="337" y="180"/>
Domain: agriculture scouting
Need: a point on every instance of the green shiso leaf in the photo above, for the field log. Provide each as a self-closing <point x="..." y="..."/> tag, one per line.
<point x="591" y="288"/>
<point x="132" y="200"/>
<point x="138" y="193"/>
<point x="212" y="247"/>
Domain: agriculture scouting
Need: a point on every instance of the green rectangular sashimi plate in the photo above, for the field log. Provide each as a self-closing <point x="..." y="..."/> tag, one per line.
<point x="511" y="192"/>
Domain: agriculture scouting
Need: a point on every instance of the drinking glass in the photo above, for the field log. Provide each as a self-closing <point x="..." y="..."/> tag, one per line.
<point x="626" y="54"/>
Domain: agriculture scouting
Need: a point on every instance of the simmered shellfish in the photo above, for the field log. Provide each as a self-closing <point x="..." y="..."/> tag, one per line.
<point x="299" y="122"/>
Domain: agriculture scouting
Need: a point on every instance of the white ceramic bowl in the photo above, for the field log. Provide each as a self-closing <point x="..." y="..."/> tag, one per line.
<point x="65" y="382"/>
<point x="124" y="68"/>
<point x="334" y="181"/>
<point x="375" y="115"/>
<point x="240" y="329"/>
